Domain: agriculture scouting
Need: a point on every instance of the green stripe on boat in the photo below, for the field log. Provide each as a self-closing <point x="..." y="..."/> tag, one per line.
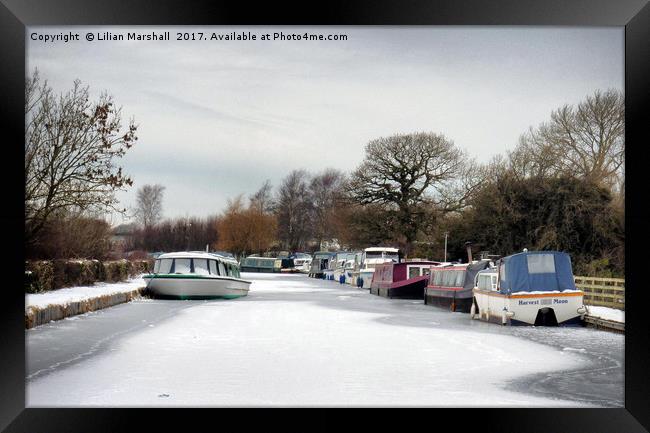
<point x="191" y="277"/>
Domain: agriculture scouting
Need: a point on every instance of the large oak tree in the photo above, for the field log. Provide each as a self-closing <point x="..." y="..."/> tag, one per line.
<point x="408" y="174"/>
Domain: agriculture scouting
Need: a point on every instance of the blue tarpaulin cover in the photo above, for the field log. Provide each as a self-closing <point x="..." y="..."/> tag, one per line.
<point x="536" y="271"/>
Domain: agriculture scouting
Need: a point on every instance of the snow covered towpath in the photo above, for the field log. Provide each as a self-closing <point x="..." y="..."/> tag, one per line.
<point x="297" y="341"/>
<point x="42" y="308"/>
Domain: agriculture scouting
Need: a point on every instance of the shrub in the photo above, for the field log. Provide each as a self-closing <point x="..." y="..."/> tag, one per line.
<point x="117" y="270"/>
<point x="39" y="276"/>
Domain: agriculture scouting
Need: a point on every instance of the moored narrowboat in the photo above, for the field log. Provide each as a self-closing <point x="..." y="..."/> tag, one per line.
<point x="261" y="264"/>
<point x="529" y="288"/>
<point x="405" y="280"/>
<point x="450" y="285"/>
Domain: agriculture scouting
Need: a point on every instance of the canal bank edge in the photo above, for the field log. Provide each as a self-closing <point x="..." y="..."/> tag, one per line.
<point x="36" y="316"/>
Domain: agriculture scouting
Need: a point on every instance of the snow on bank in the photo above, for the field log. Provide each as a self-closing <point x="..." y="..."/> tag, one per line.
<point x="303" y="349"/>
<point x="606" y="313"/>
<point x="81" y="293"/>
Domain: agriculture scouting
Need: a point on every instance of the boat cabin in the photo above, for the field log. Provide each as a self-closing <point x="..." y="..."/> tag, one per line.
<point x="261" y="264"/>
<point x="401" y="280"/>
<point x="199" y="263"/>
<point x="450" y="285"/>
<point x="319" y="263"/>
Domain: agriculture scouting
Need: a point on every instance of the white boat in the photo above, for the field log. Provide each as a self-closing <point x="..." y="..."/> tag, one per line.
<point x="302" y="262"/>
<point x="529" y="288"/>
<point x="328" y="273"/>
<point x="196" y="275"/>
<point x="351" y="268"/>
<point x="372" y="257"/>
<point x="339" y="267"/>
<point x="320" y="263"/>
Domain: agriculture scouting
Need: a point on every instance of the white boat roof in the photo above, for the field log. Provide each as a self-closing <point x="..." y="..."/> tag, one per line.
<point x="387" y="249"/>
<point x="196" y="255"/>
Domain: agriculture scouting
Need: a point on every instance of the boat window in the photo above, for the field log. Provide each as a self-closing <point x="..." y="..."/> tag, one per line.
<point x="460" y="278"/>
<point x="541" y="264"/>
<point x="426" y="271"/>
<point x="487" y="282"/>
<point x="213" y="267"/>
<point x="229" y="269"/>
<point x="494" y="282"/>
<point x="182" y="266"/>
<point x="437" y="278"/>
<point x="414" y="271"/>
<point x="236" y="271"/>
<point x="451" y="278"/>
<point x="392" y="256"/>
<point x="156" y="266"/>
<point x="165" y="266"/>
<point x="222" y="269"/>
<point x="446" y="278"/>
<point x="201" y="266"/>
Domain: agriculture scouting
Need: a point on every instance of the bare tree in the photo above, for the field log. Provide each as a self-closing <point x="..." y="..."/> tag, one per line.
<point x="406" y="173"/>
<point x="325" y="189"/>
<point x="262" y="199"/>
<point x="585" y="141"/>
<point x="71" y="145"/>
<point x="261" y="217"/>
<point x="149" y="205"/>
<point x="293" y="210"/>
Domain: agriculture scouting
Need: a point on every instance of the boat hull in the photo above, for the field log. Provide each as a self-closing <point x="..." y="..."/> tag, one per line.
<point x="259" y="269"/>
<point x="455" y="300"/>
<point x="539" y="308"/>
<point x="412" y="288"/>
<point x="350" y="278"/>
<point x="365" y="278"/>
<point x="197" y="287"/>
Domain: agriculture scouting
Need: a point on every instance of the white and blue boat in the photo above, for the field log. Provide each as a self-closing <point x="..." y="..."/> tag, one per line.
<point x="529" y="288"/>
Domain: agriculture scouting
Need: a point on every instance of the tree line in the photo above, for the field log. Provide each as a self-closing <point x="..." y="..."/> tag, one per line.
<point x="561" y="187"/>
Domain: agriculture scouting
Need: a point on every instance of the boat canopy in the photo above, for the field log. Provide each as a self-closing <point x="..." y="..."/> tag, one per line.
<point x="472" y="270"/>
<point x="536" y="271"/>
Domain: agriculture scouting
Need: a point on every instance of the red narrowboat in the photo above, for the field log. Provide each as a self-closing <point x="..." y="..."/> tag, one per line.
<point x="405" y="280"/>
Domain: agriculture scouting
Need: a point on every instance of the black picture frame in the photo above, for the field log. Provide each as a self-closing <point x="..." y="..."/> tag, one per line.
<point x="634" y="15"/>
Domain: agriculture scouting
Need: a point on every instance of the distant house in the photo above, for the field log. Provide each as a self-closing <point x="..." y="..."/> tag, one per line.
<point x="122" y="233"/>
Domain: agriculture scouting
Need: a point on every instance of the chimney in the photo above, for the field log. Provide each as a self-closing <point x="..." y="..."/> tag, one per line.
<point x="468" y="245"/>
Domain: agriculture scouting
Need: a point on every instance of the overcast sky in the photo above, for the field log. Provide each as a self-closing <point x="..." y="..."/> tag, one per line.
<point x="218" y="118"/>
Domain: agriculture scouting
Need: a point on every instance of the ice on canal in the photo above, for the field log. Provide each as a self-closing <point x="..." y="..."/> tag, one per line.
<point x="296" y="341"/>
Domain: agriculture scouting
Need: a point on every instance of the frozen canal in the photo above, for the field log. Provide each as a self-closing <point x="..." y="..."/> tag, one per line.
<point x="296" y="341"/>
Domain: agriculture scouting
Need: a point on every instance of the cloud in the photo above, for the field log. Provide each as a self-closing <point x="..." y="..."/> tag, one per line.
<point x="217" y="119"/>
